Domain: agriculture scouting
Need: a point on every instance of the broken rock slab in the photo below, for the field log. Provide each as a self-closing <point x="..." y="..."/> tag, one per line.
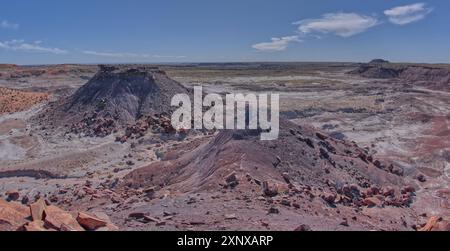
<point x="35" y="226"/>
<point x="90" y="222"/>
<point x="436" y="223"/>
<point x="269" y="190"/>
<point x="12" y="215"/>
<point x="37" y="210"/>
<point x="109" y="225"/>
<point x="56" y="217"/>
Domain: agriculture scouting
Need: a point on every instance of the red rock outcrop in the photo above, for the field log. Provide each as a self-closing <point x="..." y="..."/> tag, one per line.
<point x="39" y="216"/>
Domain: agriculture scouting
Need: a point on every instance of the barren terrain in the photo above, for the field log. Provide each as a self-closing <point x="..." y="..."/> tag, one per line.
<point x="358" y="149"/>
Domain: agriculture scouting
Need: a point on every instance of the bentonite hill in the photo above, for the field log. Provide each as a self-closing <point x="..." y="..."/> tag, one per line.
<point x="115" y="97"/>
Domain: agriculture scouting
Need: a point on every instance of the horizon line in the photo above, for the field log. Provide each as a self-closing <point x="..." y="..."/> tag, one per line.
<point x="223" y="62"/>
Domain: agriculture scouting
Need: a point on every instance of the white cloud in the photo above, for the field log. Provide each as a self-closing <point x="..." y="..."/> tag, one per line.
<point x="111" y="54"/>
<point x="341" y="24"/>
<point x="8" y="25"/>
<point x="276" y="44"/>
<point x="127" y="55"/>
<point x="21" y="45"/>
<point x="407" y="14"/>
<point x="165" y="56"/>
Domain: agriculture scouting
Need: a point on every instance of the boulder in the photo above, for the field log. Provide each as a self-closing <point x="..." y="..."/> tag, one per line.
<point x="273" y="210"/>
<point x="16" y="206"/>
<point x="372" y="202"/>
<point x="56" y="217"/>
<point x="109" y="225"/>
<point x="136" y="215"/>
<point x="35" y="226"/>
<point x="150" y="192"/>
<point x="269" y="189"/>
<point x="11" y="219"/>
<point x="408" y="189"/>
<point x="90" y="222"/>
<point x="37" y="210"/>
<point x="396" y="170"/>
<point x="12" y="215"/>
<point x="230" y="217"/>
<point x="303" y="228"/>
<point x="328" y="197"/>
<point x="232" y="180"/>
<point x="351" y="191"/>
<point x="12" y="195"/>
<point x="388" y="191"/>
<point x="25" y="200"/>
<point x="436" y="223"/>
<point x="66" y="228"/>
<point x="321" y="136"/>
<point x="421" y="178"/>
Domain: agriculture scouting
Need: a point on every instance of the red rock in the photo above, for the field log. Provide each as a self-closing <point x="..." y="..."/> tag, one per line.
<point x="109" y="225"/>
<point x="372" y="202"/>
<point x="12" y="215"/>
<point x="408" y="189"/>
<point x="393" y="201"/>
<point x="283" y="188"/>
<point x="344" y="223"/>
<point x="436" y="223"/>
<point x="107" y="228"/>
<point x="12" y="218"/>
<point x="371" y="191"/>
<point x="444" y="226"/>
<point x="37" y="210"/>
<point x="66" y="228"/>
<point x="396" y="170"/>
<point x="90" y="222"/>
<point x="303" y="228"/>
<point x="35" y="226"/>
<point x="406" y="199"/>
<point x="116" y="200"/>
<point x="53" y="198"/>
<point x="351" y="191"/>
<point x="89" y="190"/>
<point x="56" y="217"/>
<point x="16" y="206"/>
<point x="388" y="191"/>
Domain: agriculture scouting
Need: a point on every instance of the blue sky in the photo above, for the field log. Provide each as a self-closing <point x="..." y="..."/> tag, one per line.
<point x="114" y="31"/>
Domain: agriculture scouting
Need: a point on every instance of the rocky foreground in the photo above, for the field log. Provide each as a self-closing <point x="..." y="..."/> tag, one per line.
<point x="42" y="216"/>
